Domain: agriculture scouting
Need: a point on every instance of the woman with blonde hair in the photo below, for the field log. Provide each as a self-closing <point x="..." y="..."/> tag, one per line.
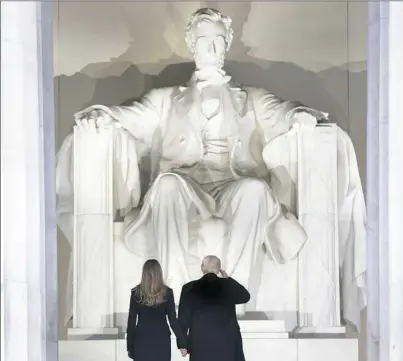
<point x="148" y="336"/>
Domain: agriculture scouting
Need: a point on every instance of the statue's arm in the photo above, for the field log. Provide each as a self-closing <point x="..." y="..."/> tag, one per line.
<point x="141" y="118"/>
<point x="277" y="116"/>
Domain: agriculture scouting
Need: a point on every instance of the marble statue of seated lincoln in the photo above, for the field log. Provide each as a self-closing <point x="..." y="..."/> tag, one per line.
<point x="208" y="142"/>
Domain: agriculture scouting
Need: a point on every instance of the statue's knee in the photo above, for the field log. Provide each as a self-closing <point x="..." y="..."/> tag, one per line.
<point x="168" y="183"/>
<point x="254" y="188"/>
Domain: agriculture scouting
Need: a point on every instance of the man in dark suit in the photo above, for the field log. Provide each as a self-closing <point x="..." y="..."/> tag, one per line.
<point x="207" y="315"/>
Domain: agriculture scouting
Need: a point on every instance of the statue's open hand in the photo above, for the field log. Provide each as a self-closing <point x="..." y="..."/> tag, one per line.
<point x="305" y="119"/>
<point x="91" y="119"/>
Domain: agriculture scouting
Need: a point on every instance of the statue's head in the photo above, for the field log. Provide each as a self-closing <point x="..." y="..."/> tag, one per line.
<point x="209" y="36"/>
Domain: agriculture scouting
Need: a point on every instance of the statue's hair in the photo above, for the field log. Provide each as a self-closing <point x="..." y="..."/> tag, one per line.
<point x="209" y="15"/>
<point x="211" y="264"/>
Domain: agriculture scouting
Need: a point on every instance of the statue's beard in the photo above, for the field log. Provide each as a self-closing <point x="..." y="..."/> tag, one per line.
<point x="216" y="61"/>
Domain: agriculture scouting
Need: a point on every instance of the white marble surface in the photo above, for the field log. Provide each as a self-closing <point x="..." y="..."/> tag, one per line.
<point x="373" y="181"/>
<point x="29" y="286"/>
<point x="93" y="260"/>
<point x="318" y="262"/>
<point x="255" y="350"/>
<point x="327" y="350"/>
<point x="258" y="326"/>
<point x="90" y="350"/>
<point x="80" y="334"/>
<point x="385" y="179"/>
<point x="395" y="264"/>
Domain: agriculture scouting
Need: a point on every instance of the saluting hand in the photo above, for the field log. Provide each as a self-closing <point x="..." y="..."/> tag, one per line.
<point x="223" y="273"/>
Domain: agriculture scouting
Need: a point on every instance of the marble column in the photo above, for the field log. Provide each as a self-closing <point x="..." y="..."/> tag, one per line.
<point x="395" y="241"/>
<point x="385" y="179"/>
<point x="28" y="225"/>
<point x="373" y="173"/>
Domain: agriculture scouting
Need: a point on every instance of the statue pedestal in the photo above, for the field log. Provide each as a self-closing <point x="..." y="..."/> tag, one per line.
<point x="257" y="346"/>
<point x="318" y="261"/>
<point x="265" y="326"/>
<point x="93" y="333"/>
<point x="306" y="331"/>
<point x="263" y="329"/>
<point x="262" y="338"/>
<point x="93" y="250"/>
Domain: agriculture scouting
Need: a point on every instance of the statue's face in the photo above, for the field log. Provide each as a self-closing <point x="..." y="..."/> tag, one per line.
<point x="209" y="47"/>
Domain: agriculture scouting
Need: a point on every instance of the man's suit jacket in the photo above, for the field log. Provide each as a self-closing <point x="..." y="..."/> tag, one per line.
<point x="207" y="316"/>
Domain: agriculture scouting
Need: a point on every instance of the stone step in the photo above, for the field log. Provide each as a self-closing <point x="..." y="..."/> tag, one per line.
<point x="262" y="326"/>
<point x="255" y="349"/>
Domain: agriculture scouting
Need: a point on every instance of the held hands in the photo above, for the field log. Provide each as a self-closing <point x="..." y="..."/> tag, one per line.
<point x="184" y="352"/>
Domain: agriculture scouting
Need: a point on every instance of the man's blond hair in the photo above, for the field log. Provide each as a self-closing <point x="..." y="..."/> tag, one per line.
<point x="211" y="264"/>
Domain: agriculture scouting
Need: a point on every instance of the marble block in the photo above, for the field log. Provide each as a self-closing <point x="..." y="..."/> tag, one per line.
<point x="79" y="334"/>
